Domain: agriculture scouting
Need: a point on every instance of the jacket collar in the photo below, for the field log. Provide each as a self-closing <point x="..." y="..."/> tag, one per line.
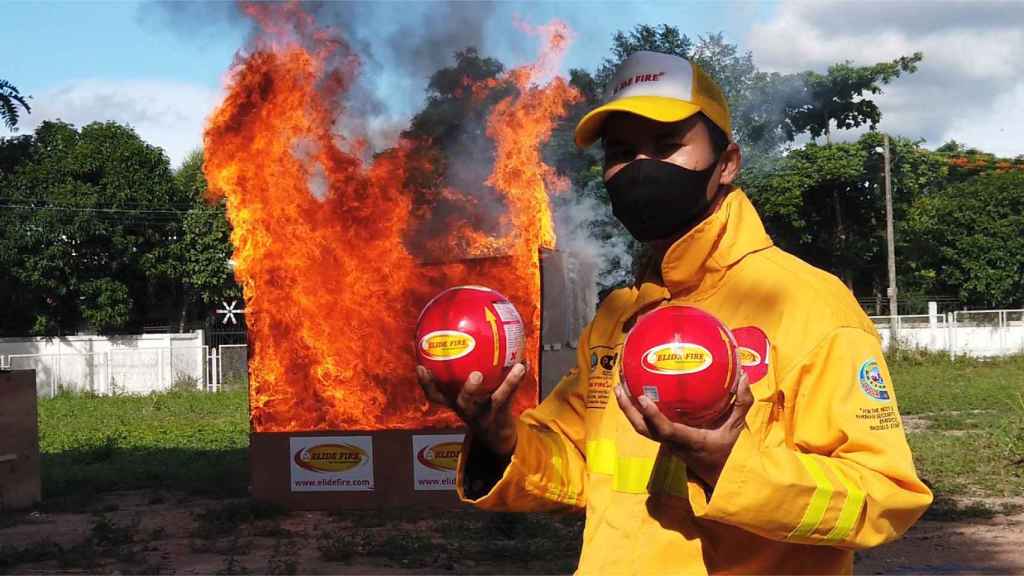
<point x="694" y="264"/>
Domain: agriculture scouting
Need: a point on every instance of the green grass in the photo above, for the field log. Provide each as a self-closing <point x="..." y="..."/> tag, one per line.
<point x="459" y="541"/>
<point x="974" y="410"/>
<point x="192" y="442"/>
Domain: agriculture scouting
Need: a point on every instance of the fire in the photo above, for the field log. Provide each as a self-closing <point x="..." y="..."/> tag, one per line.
<point x="332" y="291"/>
<point x="517" y="125"/>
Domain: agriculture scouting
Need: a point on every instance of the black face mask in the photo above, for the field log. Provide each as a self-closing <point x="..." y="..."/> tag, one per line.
<point x="655" y="200"/>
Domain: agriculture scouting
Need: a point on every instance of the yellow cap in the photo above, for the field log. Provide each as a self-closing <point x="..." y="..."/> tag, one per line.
<point x="661" y="87"/>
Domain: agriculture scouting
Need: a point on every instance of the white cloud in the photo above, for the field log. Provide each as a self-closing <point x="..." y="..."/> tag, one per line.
<point x="969" y="87"/>
<point x="167" y="114"/>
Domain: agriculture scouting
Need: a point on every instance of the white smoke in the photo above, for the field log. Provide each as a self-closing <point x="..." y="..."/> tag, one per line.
<point x="587" y="229"/>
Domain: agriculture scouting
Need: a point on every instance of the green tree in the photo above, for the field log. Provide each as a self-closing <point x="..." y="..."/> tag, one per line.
<point x="967" y="240"/>
<point x="837" y="97"/>
<point x="826" y="204"/>
<point x="952" y="147"/>
<point x="453" y="150"/>
<point x="195" y="261"/>
<point x="10" y="98"/>
<point x="80" y="210"/>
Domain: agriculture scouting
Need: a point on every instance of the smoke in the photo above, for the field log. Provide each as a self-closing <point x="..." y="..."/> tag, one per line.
<point x="589" y="231"/>
<point x="399" y="45"/>
<point x="431" y="32"/>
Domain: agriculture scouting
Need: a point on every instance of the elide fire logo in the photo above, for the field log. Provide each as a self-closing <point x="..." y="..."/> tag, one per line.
<point x="447" y="345"/>
<point x="325" y="458"/>
<point x="443" y="457"/>
<point x="748" y="357"/>
<point x="676" y="358"/>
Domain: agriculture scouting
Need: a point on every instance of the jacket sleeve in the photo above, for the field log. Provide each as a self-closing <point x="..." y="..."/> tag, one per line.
<point x="547" y="469"/>
<point x="845" y="477"/>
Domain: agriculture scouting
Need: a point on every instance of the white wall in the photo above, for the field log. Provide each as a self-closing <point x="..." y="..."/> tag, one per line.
<point x="106" y="364"/>
<point x="960" y="340"/>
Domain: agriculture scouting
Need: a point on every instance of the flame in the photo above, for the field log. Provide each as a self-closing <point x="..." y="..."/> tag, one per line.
<point x="332" y="291"/>
<point x="518" y="124"/>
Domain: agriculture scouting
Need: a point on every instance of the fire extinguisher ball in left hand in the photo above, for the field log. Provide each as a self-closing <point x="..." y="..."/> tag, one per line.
<point x="684" y="360"/>
<point x="469" y="329"/>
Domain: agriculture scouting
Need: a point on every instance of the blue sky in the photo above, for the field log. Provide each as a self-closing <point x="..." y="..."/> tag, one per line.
<point x="60" y="42"/>
<point x="132" y="62"/>
<point x="65" y="41"/>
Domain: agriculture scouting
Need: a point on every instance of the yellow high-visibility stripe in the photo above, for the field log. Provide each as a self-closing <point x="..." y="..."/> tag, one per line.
<point x="819" y="500"/>
<point x="852" y="506"/>
<point x="558" y="485"/>
<point x="630" y="475"/>
<point x="601" y="457"/>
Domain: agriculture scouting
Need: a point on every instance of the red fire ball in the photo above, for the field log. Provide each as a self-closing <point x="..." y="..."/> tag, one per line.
<point x="683" y="359"/>
<point x="469" y="329"/>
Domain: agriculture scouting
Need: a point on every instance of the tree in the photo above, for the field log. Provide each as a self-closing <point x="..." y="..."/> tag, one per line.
<point x="966" y="240"/>
<point x="837" y="97"/>
<point x="80" y="210"/>
<point x="826" y="204"/>
<point x="453" y="151"/>
<point x="195" y="261"/>
<point x="9" y="97"/>
<point x="952" y="147"/>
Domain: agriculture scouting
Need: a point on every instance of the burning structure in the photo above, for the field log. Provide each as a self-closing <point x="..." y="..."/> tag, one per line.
<point x="335" y="265"/>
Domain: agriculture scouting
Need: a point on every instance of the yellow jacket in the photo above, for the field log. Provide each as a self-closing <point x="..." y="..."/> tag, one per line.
<point x="822" y="467"/>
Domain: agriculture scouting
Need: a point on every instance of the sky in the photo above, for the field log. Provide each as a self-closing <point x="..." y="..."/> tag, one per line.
<point x="160" y="67"/>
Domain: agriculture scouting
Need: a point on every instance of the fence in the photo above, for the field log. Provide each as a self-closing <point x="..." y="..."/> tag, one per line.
<point x="136" y="371"/>
<point x="229" y="365"/>
<point x="128" y="371"/>
<point x="979" y="333"/>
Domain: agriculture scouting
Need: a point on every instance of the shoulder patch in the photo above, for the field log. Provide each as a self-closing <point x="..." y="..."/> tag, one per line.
<point x="602" y="375"/>
<point x="872" y="383"/>
<point x="754" y="351"/>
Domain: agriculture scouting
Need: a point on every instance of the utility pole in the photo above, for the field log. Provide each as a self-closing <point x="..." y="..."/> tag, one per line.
<point x="890" y="238"/>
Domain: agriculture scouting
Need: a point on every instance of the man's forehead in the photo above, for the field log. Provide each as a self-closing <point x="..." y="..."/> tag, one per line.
<point x="622" y="126"/>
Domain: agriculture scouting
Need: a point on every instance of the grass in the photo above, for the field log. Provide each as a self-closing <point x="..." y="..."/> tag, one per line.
<point x="225" y="520"/>
<point x="186" y="441"/>
<point x="107" y="540"/>
<point x="973" y="410"/>
<point x="461" y="540"/>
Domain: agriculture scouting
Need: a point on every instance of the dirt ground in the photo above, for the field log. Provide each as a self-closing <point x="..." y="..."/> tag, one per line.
<point x="977" y="546"/>
<point x="143" y="532"/>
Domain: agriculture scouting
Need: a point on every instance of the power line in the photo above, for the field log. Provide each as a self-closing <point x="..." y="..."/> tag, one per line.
<point x="138" y="211"/>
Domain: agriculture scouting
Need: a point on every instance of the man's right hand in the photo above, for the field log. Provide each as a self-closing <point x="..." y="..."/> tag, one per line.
<point x="488" y="415"/>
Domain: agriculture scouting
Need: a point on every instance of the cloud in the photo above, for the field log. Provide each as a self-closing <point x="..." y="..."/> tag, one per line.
<point x="969" y="86"/>
<point x="167" y="114"/>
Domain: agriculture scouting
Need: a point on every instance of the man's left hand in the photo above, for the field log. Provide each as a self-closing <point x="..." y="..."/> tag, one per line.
<point x="704" y="450"/>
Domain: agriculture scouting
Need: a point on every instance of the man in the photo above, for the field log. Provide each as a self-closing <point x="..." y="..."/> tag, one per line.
<point x="811" y="462"/>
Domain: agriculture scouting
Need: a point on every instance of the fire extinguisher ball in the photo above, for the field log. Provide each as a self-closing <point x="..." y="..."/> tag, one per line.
<point x="469" y="329"/>
<point x="685" y="361"/>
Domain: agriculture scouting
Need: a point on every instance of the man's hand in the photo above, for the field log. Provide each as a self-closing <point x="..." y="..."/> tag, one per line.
<point x="488" y="415"/>
<point x="704" y="450"/>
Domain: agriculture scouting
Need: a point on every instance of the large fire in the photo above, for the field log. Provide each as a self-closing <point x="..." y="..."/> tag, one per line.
<point x="321" y="236"/>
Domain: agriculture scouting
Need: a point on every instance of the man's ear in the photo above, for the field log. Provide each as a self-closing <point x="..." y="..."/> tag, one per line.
<point x="731" y="161"/>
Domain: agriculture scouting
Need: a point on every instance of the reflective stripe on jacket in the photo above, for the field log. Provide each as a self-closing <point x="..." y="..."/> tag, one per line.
<point x="821" y="468"/>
